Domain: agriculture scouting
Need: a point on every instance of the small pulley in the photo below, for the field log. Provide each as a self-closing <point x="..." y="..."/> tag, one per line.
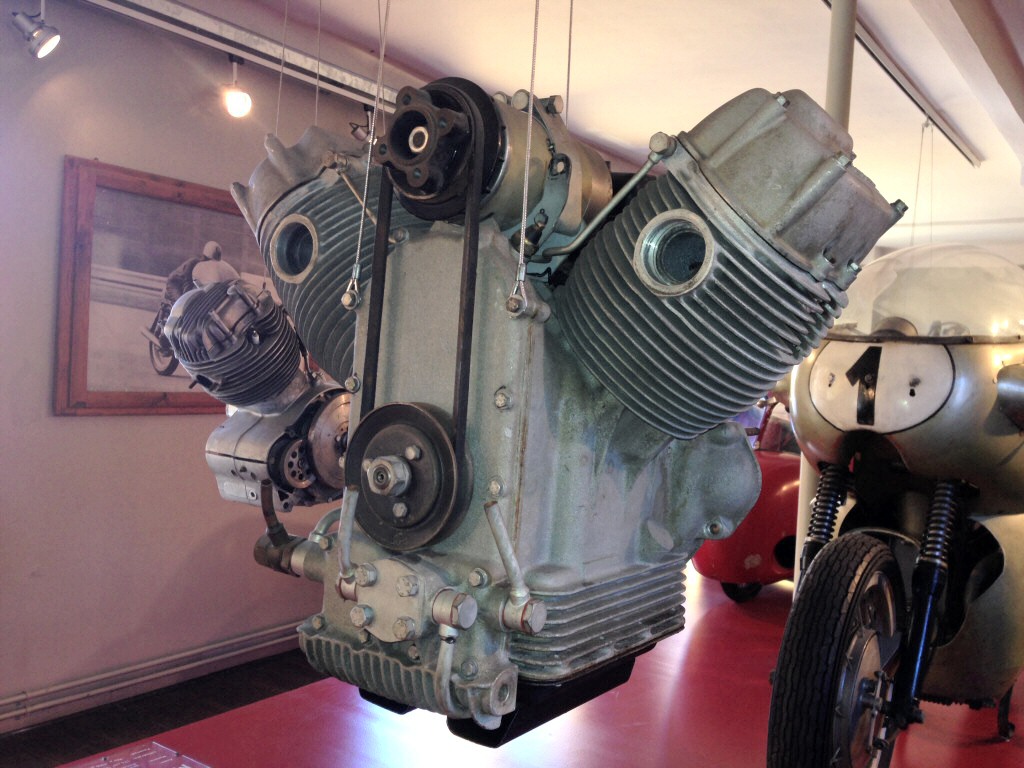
<point x="427" y="148"/>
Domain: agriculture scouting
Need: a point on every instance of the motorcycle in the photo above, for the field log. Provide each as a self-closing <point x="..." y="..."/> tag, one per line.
<point x="160" y="353"/>
<point x="911" y="584"/>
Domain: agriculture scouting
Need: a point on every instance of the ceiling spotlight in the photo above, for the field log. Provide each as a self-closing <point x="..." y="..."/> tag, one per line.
<point x="41" y="37"/>
<point x="237" y="102"/>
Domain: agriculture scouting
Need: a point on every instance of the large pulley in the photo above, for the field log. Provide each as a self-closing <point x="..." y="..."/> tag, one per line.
<point x="402" y="459"/>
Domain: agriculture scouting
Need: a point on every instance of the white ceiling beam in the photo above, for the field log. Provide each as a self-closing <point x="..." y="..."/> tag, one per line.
<point x="230" y="38"/>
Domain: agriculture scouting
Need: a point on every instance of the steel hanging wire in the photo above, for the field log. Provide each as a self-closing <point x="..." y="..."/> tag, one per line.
<point x="517" y="298"/>
<point x="352" y="289"/>
<point x="316" y="85"/>
<point x="280" y="74"/>
<point x="568" y="69"/>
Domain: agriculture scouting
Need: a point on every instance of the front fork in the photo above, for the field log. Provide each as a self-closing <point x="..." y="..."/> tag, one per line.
<point x="928" y="581"/>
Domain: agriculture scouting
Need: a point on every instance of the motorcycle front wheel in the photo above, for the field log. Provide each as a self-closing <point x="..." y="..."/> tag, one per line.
<point x="840" y="651"/>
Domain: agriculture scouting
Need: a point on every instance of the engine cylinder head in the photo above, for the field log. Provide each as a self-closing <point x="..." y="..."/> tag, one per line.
<point x="692" y="303"/>
<point x="235" y="341"/>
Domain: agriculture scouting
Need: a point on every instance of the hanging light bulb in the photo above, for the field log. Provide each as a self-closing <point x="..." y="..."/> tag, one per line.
<point x="237" y="102"/>
<point x="41" y="37"/>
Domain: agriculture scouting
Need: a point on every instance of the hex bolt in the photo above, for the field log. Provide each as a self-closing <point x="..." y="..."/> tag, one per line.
<point x="407" y="586"/>
<point x="318" y="622"/>
<point x="361" y="615"/>
<point x="528" y="618"/>
<point x="478" y="577"/>
<point x="413" y="452"/>
<point x="414" y="653"/>
<point x="324" y="542"/>
<point x="502" y="399"/>
<point x="364" y="636"/>
<point x="555" y="105"/>
<point x="366" y="575"/>
<point x="454" y="609"/>
<point x="352" y="383"/>
<point x="495" y="487"/>
<point x="400" y="510"/>
<point x="404" y="628"/>
<point x="662" y="143"/>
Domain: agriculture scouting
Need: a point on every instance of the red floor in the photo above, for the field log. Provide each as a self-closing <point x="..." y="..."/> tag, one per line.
<point x="698" y="699"/>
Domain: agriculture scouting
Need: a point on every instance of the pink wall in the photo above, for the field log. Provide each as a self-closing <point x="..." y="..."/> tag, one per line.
<point x="116" y="550"/>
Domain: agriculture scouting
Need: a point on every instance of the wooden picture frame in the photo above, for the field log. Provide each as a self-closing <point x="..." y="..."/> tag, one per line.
<point x="122" y="233"/>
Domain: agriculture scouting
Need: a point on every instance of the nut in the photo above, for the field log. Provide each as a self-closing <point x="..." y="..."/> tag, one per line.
<point x="366" y="575"/>
<point x="495" y="487"/>
<point x="468" y="669"/>
<point x="388" y="475"/>
<point x="400" y="510"/>
<point x="404" y="628"/>
<point x="503" y="398"/>
<point x="361" y="615"/>
<point x="407" y="586"/>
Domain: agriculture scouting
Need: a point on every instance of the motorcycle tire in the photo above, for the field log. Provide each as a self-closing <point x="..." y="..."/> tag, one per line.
<point x="164" y="362"/>
<point x="741" y="593"/>
<point x="840" y="650"/>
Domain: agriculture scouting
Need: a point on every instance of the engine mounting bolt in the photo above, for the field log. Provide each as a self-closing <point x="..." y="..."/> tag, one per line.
<point x="366" y="575"/>
<point x="495" y="487"/>
<point x="400" y="510"/>
<point x="361" y="615"/>
<point x="407" y="586"/>
<point x="478" y="577"/>
<point x="413" y="452"/>
<point x="404" y="628"/>
<point x="318" y="622"/>
<point x="468" y="669"/>
<point x="352" y="383"/>
<point x="502" y="399"/>
<point x="515" y="306"/>
<point x="350" y="300"/>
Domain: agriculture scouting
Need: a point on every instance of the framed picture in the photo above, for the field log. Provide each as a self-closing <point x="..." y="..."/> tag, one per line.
<point x="124" y="234"/>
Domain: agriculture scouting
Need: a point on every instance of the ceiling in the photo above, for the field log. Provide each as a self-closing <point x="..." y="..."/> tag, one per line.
<point x="645" y="66"/>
